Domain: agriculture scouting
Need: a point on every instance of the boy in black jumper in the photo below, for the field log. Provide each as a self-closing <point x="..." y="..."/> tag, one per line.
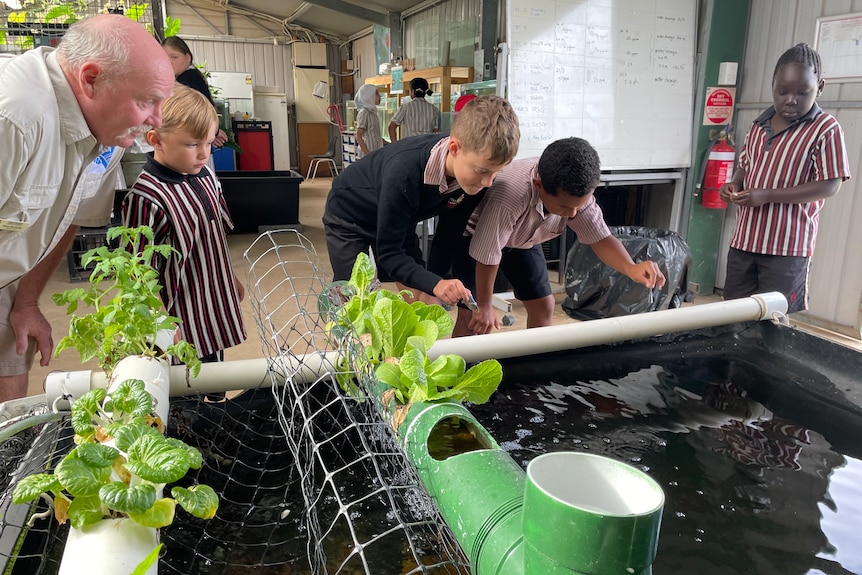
<point x="378" y="201"/>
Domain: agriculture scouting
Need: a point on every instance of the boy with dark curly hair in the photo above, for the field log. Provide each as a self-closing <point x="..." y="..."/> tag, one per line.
<point x="530" y="202"/>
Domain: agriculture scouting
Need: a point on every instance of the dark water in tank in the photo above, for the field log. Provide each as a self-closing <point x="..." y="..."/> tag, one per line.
<point x="759" y="478"/>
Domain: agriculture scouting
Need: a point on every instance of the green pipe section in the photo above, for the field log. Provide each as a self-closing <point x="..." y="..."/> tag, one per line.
<point x="565" y="515"/>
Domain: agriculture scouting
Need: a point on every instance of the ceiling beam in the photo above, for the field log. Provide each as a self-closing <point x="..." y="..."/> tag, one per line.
<point x="353" y="10"/>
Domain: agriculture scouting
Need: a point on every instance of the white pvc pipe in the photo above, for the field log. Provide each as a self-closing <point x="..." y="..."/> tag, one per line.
<point x="517" y="343"/>
<point x="252" y="373"/>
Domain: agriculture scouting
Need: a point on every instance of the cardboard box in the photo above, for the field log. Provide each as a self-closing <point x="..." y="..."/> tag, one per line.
<point x="409" y="64"/>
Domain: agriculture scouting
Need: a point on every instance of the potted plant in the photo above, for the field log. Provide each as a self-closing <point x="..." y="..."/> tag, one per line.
<point x="109" y="487"/>
<point x="127" y="330"/>
<point x="393" y="339"/>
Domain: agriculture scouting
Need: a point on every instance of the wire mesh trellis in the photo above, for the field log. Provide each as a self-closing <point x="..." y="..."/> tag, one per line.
<point x="310" y="479"/>
<point x="366" y="510"/>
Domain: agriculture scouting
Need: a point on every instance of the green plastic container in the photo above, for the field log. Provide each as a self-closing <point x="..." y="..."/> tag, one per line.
<point x="589" y="514"/>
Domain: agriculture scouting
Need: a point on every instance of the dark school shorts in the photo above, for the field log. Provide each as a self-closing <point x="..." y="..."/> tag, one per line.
<point x="525" y="269"/>
<point x="749" y="273"/>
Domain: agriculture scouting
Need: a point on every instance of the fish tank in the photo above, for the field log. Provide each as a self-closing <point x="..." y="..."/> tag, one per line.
<point x="483" y="88"/>
<point x="385" y="111"/>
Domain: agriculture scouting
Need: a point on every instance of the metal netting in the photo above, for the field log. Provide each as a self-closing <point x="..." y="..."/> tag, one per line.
<point x="365" y="509"/>
<point x="27" y="24"/>
<point x="310" y="479"/>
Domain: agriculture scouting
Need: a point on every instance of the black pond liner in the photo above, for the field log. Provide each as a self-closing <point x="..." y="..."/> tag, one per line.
<point x="743" y="426"/>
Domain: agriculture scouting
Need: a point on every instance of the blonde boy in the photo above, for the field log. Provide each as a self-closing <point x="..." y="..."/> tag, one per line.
<point x="180" y="198"/>
<point x="378" y="201"/>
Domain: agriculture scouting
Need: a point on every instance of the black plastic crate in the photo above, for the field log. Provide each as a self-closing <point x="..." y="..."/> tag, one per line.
<point x="85" y="240"/>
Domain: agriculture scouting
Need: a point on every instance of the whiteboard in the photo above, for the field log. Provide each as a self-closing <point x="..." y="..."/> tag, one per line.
<point x="618" y="73"/>
<point x="231" y="84"/>
<point x="839" y="42"/>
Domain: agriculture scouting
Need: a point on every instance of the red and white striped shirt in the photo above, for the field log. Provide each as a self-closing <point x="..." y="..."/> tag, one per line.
<point x="810" y="149"/>
<point x="511" y="215"/>
<point x="189" y="213"/>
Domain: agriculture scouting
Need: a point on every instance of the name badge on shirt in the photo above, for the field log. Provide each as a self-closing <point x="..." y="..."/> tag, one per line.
<point x="13" y="225"/>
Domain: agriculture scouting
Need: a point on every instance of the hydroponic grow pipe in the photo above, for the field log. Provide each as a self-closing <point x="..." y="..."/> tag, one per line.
<point x="581" y="513"/>
<point x="503" y="344"/>
<point x="251" y="373"/>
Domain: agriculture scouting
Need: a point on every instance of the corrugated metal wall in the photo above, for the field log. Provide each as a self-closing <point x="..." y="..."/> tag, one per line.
<point x="836" y="277"/>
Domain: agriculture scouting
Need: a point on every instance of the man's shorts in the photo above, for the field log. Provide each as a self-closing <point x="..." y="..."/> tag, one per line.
<point x="749" y="273"/>
<point x="346" y="240"/>
<point x="526" y="270"/>
<point x="10" y="362"/>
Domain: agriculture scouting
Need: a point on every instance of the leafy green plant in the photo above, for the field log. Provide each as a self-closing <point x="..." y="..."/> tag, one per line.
<point x="120" y="462"/>
<point x="395" y="337"/>
<point x="127" y="311"/>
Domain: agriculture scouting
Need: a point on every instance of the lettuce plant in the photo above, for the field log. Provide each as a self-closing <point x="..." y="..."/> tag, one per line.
<point x="120" y="461"/>
<point x="395" y="337"/>
<point x="127" y="311"/>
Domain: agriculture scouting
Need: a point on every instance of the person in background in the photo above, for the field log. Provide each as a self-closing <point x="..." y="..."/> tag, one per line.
<point x="368" y="119"/>
<point x="416" y="117"/>
<point x="179" y="197"/>
<point x="792" y="159"/>
<point x="532" y="201"/>
<point x="61" y="112"/>
<point x="378" y="201"/>
<point x="188" y="74"/>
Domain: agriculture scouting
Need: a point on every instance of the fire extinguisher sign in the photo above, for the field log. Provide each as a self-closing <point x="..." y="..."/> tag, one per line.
<point x="718" y="107"/>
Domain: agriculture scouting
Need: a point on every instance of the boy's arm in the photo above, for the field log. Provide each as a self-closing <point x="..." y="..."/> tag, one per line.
<point x="393" y="131"/>
<point x="612" y="252"/>
<point x="486" y="318"/>
<point x="397" y="206"/>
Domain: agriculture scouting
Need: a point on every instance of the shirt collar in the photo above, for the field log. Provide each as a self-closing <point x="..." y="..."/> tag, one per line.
<point x="763" y="119"/>
<point x="166" y="174"/>
<point x="74" y="125"/>
<point x="435" y="169"/>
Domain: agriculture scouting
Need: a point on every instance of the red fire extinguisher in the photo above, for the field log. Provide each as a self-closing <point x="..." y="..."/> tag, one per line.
<point x="719" y="170"/>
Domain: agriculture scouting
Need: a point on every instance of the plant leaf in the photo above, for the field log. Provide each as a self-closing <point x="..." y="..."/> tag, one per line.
<point x="153" y="556"/>
<point x="83" y="511"/>
<point x="126" y="435"/>
<point x="445" y="371"/>
<point x="438" y="315"/>
<point x="120" y="497"/>
<point x="161" y="514"/>
<point x="478" y="383"/>
<point x="32" y="486"/>
<point x="97" y="454"/>
<point x="84" y="412"/>
<point x="79" y="478"/>
<point x="155" y="459"/>
<point x="199" y="500"/>
<point x="362" y="274"/>
<point x="397" y="322"/>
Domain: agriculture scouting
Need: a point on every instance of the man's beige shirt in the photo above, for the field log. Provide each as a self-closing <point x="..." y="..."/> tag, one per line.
<point x="48" y="177"/>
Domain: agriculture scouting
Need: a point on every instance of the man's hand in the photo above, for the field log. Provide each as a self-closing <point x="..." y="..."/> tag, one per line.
<point x="451" y="291"/>
<point x="484" y="320"/>
<point x="647" y="273"/>
<point x="27" y="321"/>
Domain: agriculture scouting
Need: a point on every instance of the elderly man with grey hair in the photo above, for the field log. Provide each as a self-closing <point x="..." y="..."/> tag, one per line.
<point x="63" y="114"/>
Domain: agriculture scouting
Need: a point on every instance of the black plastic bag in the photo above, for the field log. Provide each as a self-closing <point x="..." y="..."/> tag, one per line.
<point x="596" y="291"/>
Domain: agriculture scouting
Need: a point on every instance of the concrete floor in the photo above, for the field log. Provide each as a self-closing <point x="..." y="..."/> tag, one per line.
<point x="312" y="198"/>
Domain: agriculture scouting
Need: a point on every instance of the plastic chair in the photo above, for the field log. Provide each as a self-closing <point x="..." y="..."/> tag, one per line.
<point x="327" y="158"/>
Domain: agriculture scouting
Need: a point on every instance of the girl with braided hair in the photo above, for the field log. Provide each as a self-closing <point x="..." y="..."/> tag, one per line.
<point x="793" y="158"/>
